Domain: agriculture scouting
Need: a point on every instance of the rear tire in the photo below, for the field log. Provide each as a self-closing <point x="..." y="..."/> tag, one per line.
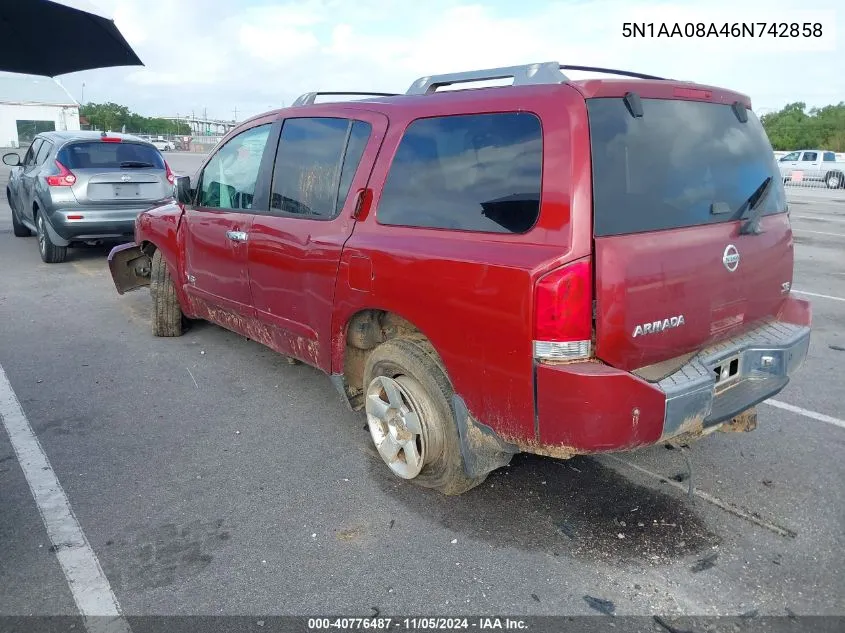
<point x="50" y="253"/>
<point x="834" y="180"/>
<point x="18" y="229"/>
<point x="167" y="315"/>
<point x="409" y="412"/>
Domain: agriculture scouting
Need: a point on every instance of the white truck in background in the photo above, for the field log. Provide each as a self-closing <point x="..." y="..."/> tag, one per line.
<point x="813" y="165"/>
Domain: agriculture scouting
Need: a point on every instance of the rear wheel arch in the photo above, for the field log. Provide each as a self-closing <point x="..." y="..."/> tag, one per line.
<point x="360" y="335"/>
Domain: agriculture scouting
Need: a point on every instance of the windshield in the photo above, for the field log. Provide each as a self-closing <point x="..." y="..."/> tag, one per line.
<point x="99" y="155"/>
<point x="675" y="165"/>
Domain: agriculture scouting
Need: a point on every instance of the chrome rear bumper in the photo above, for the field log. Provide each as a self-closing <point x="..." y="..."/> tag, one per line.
<point x="736" y="374"/>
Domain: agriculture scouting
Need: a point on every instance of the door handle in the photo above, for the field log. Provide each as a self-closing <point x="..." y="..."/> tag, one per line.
<point x="236" y="236"/>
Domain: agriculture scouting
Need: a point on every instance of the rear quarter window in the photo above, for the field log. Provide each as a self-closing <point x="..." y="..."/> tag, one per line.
<point x="99" y="155"/>
<point x="479" y="172"/>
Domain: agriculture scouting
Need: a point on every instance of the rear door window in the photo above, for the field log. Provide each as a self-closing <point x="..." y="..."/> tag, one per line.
<point x="29" y="157"/>
<point x="315" y="163"/>
<point x="683" y="163"/>
<point x="479" y="172"/>
<point x="99" y="155"/>
<point x="829" y="157"/>
<point x="43" y="152"/>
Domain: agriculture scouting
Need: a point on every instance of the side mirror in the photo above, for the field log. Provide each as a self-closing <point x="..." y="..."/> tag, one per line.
<point x="183" y="190"/>
<point x="12" y="159"/>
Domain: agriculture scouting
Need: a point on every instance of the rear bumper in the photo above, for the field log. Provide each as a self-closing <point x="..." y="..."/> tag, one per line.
<point x="96" y="223"/>
<point x="764" y="361"/>
<point x="591" y="407"/>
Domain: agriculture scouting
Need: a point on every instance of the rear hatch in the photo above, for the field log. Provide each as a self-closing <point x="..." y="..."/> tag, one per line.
<point x="116" y="173"/>
<point x="671" y="190"/>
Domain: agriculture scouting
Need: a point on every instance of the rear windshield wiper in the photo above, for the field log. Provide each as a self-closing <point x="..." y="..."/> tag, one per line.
<point x="754" y="208"/>
<point x="134" y="163"/>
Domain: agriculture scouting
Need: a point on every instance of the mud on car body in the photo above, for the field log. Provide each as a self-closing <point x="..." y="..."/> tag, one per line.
<point x="558" y="267"/>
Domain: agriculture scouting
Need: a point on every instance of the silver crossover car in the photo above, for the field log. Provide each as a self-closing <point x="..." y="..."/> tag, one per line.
<point x="84" y="187"/>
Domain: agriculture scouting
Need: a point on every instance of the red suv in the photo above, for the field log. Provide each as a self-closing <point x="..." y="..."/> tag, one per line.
<point x="558" y="267"/>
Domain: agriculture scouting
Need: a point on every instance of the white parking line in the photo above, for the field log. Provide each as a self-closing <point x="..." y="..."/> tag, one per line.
<point x="752" y="517"/>
<point x="815" y="294"/>
<point x="818" y="218"/>
<point x="88" y="584"/>
<point x="818" y="232"/>
<point x="821" y="417"/>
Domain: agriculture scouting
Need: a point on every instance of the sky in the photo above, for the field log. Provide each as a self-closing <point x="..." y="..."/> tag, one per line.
<point x="236" y="58"/>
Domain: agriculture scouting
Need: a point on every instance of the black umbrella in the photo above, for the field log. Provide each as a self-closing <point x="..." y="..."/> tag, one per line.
<point x="40" y="37"/>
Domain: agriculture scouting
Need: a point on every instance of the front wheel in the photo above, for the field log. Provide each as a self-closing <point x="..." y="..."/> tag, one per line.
<point x="167" y="315"/>
<point x="50" y="253"/>
<point x="410" y="418"/>
<point x="18" y="229"/>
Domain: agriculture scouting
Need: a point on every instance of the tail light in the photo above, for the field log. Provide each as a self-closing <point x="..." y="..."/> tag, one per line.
<point x="64" y="178"/>
<point x="170" y="177"/>
<point x="563" y="313"/>
<point x="110" y="139"/>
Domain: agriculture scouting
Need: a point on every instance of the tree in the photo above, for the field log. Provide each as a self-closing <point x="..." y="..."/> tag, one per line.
<point x="794" y="127"/>
<point x="112" y="117"/>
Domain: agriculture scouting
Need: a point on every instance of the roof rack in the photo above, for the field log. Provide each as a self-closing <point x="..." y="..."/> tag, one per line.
<point x="526" y="74"/>
<point x="310" y="97"/>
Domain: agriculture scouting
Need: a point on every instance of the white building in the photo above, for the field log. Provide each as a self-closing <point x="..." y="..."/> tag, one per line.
<point x="29" y="105"/>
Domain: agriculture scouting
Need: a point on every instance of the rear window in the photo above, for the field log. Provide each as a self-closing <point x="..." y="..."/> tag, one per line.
<point x="477" y="172"/>
<point x="99" y="155"/>
<point x="672" y="166"/>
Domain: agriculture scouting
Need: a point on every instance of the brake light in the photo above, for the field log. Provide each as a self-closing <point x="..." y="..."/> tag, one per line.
<point x="693" y="93"/>
<point x="110" y="139"/>
<point x="563" y="313"/>
<point x="170" y="177"/>
<point x="64" y="178"/>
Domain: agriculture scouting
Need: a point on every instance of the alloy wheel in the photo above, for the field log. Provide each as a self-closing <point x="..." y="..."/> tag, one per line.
<point x="398" y="425"/>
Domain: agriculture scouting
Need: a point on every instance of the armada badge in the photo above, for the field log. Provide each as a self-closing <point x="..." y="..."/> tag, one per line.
<point x="659" y="326"/>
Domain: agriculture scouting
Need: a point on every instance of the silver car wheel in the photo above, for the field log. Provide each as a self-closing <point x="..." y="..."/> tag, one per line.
<point x="42" y="233"/>
<point x="833" y="181"/>
<point x="398" y="426"/>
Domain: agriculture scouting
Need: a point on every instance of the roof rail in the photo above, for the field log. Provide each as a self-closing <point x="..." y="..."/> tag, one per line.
<point x="612" y="71"/>
<point x="542" y="73"/>
<point x="527" y="74"/>
<point x="310" y="97"/>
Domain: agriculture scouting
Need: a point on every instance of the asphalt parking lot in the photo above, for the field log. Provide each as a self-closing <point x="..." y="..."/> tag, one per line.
<point x="210" y="477"/>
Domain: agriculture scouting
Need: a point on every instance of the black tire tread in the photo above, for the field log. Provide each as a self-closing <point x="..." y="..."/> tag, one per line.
<point x="18" y="229"/>
<point x="166" y="313"/>
<point x="52" y="254"/>
<point x="414" y="356"/>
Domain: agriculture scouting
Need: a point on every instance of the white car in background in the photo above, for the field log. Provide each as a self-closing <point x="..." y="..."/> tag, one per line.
<point x="813" y="165"/>
<point x="162" y="145"/>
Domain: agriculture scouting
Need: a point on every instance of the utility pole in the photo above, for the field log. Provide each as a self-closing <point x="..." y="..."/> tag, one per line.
<point x="236" y="115"/>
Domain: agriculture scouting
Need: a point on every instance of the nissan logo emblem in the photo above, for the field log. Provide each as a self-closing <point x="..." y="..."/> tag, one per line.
<point x="730" y="258"/>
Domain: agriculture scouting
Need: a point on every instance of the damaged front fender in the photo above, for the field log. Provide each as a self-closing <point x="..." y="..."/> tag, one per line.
<point x="130" y="267"/>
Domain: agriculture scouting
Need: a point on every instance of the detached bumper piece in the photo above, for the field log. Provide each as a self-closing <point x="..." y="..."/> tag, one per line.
<point x="130" y="267"/>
